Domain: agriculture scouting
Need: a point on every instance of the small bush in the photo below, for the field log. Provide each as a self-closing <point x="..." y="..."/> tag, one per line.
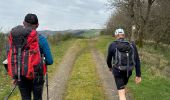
<point x="58" y="37"/>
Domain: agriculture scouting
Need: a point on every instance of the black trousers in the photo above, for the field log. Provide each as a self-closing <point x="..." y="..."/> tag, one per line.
<point x="27" y="87"/>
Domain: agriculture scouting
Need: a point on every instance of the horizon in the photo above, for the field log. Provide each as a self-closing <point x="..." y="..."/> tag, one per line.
<point x="60" y="30"/>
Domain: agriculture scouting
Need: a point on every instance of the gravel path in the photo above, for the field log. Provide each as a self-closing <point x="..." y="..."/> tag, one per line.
<point x="105" y="76"/>
<point x="57" y="83"/>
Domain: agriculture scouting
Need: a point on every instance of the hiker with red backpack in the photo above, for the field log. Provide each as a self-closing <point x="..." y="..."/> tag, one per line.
<point x="121" y="60"/>
<point x="27" y="50"/>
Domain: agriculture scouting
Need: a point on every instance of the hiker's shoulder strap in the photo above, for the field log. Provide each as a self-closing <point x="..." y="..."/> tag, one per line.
<point x="33" y="36"/>
<point x="112" y="45"/>
<point x="10" y="40"/>
<point x="132" y="44"/>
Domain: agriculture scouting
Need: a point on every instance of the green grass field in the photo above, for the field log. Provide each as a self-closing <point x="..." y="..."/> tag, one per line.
<point x="84" y="83"/>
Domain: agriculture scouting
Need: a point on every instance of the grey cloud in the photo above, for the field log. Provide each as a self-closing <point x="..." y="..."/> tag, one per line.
<point x="55" y="14"/>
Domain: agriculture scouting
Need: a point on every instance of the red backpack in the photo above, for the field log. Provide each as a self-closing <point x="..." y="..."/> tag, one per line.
<point x="24" y="56"/>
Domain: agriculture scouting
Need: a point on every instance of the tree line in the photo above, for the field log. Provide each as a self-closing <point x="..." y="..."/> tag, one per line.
<point x="142" y="20"/>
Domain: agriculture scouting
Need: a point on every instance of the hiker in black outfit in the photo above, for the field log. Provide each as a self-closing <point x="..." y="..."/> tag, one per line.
<point x="122" y="72"/>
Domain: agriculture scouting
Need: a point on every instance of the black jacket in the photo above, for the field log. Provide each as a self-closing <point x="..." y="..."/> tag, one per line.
<point x="111" y="55"/>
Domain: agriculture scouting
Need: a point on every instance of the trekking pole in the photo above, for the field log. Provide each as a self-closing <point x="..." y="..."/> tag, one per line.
<point x="46" y="76"/>
<point x="47" y="83"/>
<point x="7" y="97"/>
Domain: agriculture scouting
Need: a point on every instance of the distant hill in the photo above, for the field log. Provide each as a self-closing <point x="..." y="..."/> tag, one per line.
<point x="74" y="32"/>
<point x="91" y="33"/>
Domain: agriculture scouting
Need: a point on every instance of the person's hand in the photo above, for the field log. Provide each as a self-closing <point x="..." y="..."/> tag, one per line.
<point x="14" y="81"/>
<point x="138" y="80"/>
<point x="110" y="69"/>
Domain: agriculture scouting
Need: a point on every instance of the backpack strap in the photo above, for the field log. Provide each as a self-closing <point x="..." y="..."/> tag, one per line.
<point x="133" y="53"/>
<point x="119" y="57"/>
<point x="116" y="55"/>
<point x="19" y="64"/>
<point x="27" y="44"/>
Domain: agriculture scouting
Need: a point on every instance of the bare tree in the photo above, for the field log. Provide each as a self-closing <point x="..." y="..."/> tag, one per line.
<point x="143" y="18"/>
<point x="138" y="12"/>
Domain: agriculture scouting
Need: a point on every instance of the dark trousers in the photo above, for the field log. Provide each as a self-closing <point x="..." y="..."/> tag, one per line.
<point x="27" y="87"/>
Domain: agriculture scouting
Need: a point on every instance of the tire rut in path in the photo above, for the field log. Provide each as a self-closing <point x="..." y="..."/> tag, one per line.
<point x="106" y="77"/>
<point x="58" y="82"/>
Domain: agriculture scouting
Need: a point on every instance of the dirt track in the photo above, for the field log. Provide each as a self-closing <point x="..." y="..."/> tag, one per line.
<point x="58" y="83"/>
<point x="105" y="76"/>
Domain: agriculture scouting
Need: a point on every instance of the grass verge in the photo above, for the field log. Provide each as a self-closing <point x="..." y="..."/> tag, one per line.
<point x="155" y="74"/>
<point x="84" y="83"/>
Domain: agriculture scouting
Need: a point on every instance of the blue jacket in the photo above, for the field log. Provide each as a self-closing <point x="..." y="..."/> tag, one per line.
<point x="45" y="49"/>
<point x="111" y="56"/>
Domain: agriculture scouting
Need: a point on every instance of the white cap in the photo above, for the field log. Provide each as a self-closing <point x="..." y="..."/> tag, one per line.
<point x="119" y="31"/>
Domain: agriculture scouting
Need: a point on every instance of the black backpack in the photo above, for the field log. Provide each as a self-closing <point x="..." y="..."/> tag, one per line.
<point x="124" y="56"/>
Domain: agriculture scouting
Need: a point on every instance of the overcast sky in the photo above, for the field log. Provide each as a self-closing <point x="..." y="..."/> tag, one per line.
<point x="55" y="14"/>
